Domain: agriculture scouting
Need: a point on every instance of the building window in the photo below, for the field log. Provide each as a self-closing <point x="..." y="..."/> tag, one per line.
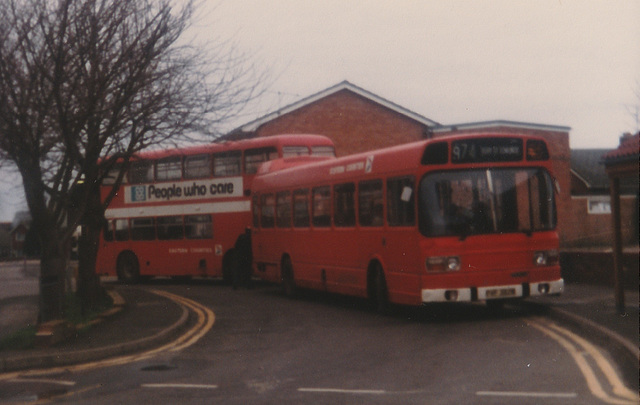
<point x="599" y="205"/>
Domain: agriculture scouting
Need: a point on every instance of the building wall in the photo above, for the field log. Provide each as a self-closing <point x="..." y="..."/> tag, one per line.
<point x="354" y="123"/>
<point x="595" y="229"/>
<point x="560" y="153"/>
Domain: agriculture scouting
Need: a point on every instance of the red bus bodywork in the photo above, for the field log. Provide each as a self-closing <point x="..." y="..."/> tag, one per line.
<point x="381" y="224"/>
<point x="181" y="210"/>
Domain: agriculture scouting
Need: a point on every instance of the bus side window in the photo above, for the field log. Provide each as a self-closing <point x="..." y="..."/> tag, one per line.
<point x="197" y="166"/>
<point x="301" y="208"/>
<point x="121" y="229"/>
<point x="169" y="168"/>
<point x="198" y="227"/>
<point x="321" y="206"/>
<point x="255" y="208"/>
<point x="170" y="228"/>
<point x="370" y="203"/>
<point x="267" y="205"/>
<point x="343" y="204"/>
<point x="253" y="158"/>
<point x="401" y="201"/>
<point x="143" y="229"/>
<point x="283" y="209"/>
<point x="141" y="172"/>
<point x="227" y="164"/>
<point x="108" y="231"/>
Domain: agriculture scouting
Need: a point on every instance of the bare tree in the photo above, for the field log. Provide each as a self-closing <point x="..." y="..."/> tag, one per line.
<point x="88" y="83"/>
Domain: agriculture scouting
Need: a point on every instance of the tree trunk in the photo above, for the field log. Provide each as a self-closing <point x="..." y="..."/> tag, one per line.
<point x="91" y="293"/>
<point x="52" y="271"/>
<point x="53" y="257"/>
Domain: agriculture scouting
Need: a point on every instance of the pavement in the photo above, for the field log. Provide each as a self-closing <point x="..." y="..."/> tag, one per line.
<point x="142" y="320"/>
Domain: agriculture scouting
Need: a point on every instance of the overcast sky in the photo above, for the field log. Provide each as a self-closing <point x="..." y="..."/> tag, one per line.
<point x="558" y="62"/>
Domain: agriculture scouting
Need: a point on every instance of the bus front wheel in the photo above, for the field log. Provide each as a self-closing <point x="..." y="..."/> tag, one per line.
<point x="128" y="268"/>
<point x="286" y="276"/>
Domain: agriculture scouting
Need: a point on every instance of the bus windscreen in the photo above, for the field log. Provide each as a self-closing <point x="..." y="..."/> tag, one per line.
<point x="475" y="202"/>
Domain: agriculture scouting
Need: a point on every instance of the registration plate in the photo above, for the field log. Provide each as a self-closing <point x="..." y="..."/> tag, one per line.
<point x="501" y="293"/>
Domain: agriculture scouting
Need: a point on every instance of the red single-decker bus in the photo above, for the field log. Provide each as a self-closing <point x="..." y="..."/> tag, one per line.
<point x="457" y="219"/>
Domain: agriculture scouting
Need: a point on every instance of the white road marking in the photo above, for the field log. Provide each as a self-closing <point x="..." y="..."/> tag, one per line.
<point x="43" y="381"/>
<point x="527" y="394"/>
<point x="188" y="386"/>
<point x="342" y="391"/>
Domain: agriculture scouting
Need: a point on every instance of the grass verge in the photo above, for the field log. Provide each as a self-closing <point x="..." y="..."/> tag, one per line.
<point x="24" y="338"/>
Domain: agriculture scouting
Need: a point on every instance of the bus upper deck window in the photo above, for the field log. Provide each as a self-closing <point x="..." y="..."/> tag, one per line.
<point x="112" y="175"/>
<point x="293" y="151"/>
<point x="197" y="166"/>
<point x="169" y="168"/>
<point x="141" y="172"/>
<point x="253" y="158"/>
<point x="227" y="164"/>
<point x="323" y="151"/>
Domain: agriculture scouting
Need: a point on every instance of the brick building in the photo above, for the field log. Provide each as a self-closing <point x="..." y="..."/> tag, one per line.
<point x="590" y="214"/>
<point x="355" y="119"/>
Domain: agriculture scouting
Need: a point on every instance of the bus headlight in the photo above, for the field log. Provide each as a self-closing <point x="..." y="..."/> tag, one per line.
<point x="546" y="258"/>
<point x="443" y="263"/>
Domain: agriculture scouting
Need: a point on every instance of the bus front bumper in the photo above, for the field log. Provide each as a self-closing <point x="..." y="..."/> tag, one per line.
<point x="555" y="287"/>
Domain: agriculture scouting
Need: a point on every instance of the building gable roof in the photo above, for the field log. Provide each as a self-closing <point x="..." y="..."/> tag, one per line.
<point x="345" y="85"/>
<point x="629" y="149"/>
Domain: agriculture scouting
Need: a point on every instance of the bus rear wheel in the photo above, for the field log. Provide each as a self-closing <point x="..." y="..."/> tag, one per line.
<point x="128" y="268"/>
<point x="286" y="276"/>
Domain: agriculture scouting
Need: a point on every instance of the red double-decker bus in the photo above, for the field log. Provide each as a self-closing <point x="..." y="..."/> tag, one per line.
<point x="180" y="211"/>
<point x="464" y="218"/>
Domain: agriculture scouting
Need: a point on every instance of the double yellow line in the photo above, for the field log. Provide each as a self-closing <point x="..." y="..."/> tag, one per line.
<point x="581" y="350"/>
<point x="204" y="322"/>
